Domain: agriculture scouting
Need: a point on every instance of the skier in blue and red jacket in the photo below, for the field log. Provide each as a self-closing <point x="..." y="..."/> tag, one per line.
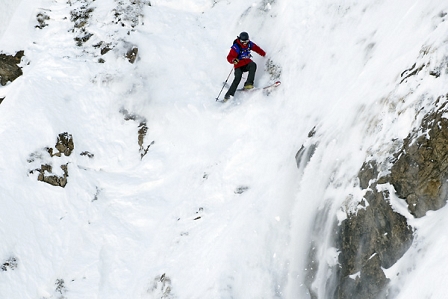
<point x="240" y="55"/>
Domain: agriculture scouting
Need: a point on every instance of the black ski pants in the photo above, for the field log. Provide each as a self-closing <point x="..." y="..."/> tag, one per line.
<point x="251" y="68"/>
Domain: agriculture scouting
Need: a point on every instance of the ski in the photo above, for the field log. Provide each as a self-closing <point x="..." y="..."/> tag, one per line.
<point x="267" y="87"/>
<point x="275" y="84"/>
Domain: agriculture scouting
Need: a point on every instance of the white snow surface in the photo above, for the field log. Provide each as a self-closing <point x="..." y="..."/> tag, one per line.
<point x="172" y="224"/>
<point x="8" y="9"/>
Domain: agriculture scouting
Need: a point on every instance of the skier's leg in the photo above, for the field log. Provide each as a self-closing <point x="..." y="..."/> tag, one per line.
<point x="234" y="85"/>
<point x="252" y="67"/>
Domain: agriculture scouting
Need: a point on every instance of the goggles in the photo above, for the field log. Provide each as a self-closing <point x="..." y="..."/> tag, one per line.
<point x="244" y="41"/>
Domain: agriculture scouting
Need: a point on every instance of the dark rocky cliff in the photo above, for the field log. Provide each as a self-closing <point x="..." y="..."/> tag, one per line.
<point x="9" y="69"/>
<point x="375" y="237"/>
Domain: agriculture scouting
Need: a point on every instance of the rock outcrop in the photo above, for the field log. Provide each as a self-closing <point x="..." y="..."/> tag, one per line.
<point x="420" y="172"/>
<point x="142" y="130"/>
<point x="375" y="237"/>
<point x="9" y="69"/>
<point x="64" y="146"/>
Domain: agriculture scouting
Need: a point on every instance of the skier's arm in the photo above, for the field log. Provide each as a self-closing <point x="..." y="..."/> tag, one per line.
<point x="258" y="50"/>
<point x="232" y="56"/>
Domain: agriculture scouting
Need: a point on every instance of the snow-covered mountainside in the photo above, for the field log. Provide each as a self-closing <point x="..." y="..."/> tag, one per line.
<point x="122" y="177"/>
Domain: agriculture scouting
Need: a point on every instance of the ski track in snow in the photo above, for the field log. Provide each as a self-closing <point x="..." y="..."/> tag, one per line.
<point x="217" y="207"/>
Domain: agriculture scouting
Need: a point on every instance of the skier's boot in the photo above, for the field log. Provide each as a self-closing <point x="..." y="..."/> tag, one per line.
<point x="248" y="86"/>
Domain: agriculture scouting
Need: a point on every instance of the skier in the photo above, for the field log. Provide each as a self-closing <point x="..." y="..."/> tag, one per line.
<point x="240" y="55"/>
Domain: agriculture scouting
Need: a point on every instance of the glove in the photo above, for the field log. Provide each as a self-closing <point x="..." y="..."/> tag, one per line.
<point x="235" y="61"/>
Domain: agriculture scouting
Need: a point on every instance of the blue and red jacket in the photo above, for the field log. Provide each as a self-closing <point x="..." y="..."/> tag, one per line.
<point x="242" y="52"/>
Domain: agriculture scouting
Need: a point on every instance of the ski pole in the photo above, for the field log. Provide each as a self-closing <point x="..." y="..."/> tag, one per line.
<point x="217" y="98"/>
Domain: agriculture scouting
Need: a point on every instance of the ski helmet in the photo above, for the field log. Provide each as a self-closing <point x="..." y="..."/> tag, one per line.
<point x="244" y="36"/>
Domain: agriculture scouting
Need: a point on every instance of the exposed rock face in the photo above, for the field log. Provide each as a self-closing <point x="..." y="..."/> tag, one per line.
<point x="420" y="172"/>
<point x="9" y="69"/>
<point x="64" y="145"/>
<point x="42" y="17"/>
<point x="142" y="130"/>
<point x="369" y="240"/>
<point x="10" y="264"/>
<point x="80" y="18"/>
<point x="131" y="54"/>
<point x="376" y="237"/>
<point x="369" y="284"/>
<point x="52" y="179"/>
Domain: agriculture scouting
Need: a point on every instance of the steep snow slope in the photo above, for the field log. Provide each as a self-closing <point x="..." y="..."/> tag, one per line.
<point x="17" y="17"/>
<point x="8" y="8"/>
<point x="216" y="207"/>
<point x="122" y="222"/>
